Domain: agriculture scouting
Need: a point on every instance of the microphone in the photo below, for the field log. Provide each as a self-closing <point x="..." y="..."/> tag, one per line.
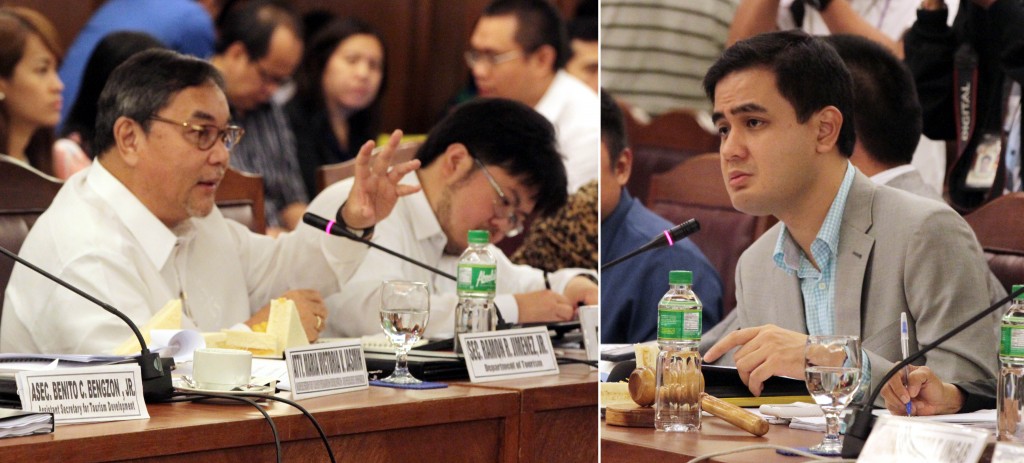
<point x="329" y="226"/>
<point x="857" y="433"/>
<point x="156" y="377"/>
<point x="666" y="238"/>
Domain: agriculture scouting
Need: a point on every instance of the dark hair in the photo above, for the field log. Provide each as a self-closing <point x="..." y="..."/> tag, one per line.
<point x="613" y="127"/>
<point x="113" y="50"/>
<point x="253" y="24"/>
<point x="585" y="29"/>
<point x="507" y="134"/>
<point x="808" y="73"/>
<point x="16" y="24"/>
<point x="309" y="76"/>
<point x="145" y="84"/>
<point x="538" y="23"/>
<point x="886" y="113"/>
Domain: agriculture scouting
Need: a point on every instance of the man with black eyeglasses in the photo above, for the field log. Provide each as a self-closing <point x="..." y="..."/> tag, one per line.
<point x="518" y="51"/>
<point x="139" y="228"/>
<point x="258" y="49"/>
<point x="486" y="166"/>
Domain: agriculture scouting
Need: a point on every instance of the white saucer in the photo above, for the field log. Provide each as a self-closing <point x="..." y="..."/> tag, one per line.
<point x="184" y="385"/>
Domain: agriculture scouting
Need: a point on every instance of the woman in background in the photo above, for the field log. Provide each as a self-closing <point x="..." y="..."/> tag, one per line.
<point x="333" y="111"/>
<point x="30" y="92"/>
<point x="80" y="126"/>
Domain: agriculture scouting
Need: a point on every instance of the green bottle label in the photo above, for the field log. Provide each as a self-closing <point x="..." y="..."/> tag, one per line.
<point x="477" y="278"/>
<point x="1011" y="343"/>
<point x="679" y="321"/>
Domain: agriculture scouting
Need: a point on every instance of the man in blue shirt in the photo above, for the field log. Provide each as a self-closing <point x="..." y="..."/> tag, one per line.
<point x="631" y="291"/>
<point x="182" y="25"/>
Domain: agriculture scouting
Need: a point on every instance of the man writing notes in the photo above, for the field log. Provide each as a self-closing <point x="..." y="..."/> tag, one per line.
<point x="487" y="165"/>
<point x="848" y="256"/>
<point x="139" y="227"/>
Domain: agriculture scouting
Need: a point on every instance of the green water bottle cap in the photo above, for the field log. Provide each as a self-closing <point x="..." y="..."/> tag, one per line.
<point x="680" y="277"/>
<point x="479" y="236"/>
<point x="1020" y="297"/>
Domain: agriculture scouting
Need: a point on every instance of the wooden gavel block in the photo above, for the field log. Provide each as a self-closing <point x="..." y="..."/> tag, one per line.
<point x="642" y="390"/>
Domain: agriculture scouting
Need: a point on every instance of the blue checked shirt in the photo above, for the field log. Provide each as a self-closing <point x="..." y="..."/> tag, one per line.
<point x="818" y="284"/>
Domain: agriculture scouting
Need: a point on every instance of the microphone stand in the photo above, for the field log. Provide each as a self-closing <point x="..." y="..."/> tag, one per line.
<point x="321" y="223"/>
<point x="156" y="378"/>
<point x="864" y="420"/>
<point x="668" y="238"/>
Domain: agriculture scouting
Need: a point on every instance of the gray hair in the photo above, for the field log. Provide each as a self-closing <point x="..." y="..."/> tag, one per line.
<point x="145" y="84"/>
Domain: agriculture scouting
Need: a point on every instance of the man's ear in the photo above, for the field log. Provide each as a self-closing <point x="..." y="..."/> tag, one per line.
<point x="829" y="122"/>
<point x="455" y="161"/>
<point x="236" y="53"/>
<point x="130" y="140"/>
<point x="623" y="166"/>
<point x="543" y="58"/>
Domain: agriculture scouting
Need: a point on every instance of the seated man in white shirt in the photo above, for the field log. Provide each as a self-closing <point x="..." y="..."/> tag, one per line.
<point x="140" y="228"/>
<point x="482" y="140"/>
<point x="518" y="51"/>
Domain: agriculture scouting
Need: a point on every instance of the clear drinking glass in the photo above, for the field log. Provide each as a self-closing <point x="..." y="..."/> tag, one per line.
<point x="404" y="312"/>
<point x="832" y="368"/>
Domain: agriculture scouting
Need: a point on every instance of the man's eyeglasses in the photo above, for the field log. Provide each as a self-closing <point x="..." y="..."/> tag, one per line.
<point x="270" y="79"/>
<point x="474" y="57"/>
<point x="204" y="135"/>
<point x="503" y="207"/>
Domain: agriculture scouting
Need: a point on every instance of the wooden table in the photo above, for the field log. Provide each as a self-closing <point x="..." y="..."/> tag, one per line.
<point x="559" y="416"/>
<point x="507" y="421"/>
<point x="621" y="444"/>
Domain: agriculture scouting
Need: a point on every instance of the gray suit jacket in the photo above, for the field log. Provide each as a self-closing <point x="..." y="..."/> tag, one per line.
<point x="914" y="183"/>
<point x="897" y="252"/>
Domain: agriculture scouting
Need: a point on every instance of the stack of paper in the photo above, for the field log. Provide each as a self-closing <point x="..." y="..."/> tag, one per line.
<point x="983" y="419"/>
<point x="15" y="423"/>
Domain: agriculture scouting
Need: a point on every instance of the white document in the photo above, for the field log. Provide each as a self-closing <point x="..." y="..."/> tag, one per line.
<point x="179" y="344"/>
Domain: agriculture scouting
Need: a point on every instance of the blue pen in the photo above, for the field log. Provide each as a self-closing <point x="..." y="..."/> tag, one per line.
<point x="905" y="345"/>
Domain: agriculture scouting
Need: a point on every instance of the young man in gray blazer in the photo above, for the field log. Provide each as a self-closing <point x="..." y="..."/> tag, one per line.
<point x="848" y="256"/>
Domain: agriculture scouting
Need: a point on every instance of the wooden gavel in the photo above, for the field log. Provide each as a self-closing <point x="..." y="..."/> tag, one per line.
<point x="642" y="390"/>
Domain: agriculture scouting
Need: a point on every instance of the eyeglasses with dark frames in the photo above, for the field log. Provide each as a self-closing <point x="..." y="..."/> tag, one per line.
<point x="474" y="57"/>
<point x="503" y="207"/>
<point x="205" y="135"/>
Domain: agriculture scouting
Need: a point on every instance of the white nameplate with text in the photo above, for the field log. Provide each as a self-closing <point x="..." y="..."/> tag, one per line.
<point x="508" y="354"/>
<point x="86" y="394"/>
<point x="324" y="369"/>
<point x="912" y="440"/>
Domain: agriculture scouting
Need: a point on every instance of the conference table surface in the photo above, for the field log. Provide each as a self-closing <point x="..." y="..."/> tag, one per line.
<point x="521" y="420"/>
<point x="624" y="444"/>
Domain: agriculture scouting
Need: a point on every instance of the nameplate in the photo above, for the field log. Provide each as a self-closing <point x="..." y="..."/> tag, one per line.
<point x="86" y="394"/>
<point x="903" y="439"/>
<point x="1008" y="453"/>
<point x="324" y="369"/>
<point x="508" y="354"/>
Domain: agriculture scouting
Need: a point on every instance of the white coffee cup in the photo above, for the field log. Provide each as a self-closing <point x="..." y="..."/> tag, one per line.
<point x="221" y="369"/>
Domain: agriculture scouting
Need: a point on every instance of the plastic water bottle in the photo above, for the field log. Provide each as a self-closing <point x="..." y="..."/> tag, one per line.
<point x="477" y="280"/>
<point x="678" y="380"/>
<point x="1010" y="391"/>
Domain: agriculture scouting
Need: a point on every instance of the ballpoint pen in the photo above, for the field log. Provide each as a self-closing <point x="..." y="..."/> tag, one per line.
<point x="905" y="345"/>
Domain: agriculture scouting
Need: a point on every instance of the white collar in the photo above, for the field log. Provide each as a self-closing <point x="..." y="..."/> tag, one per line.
<point x="421" y="214"/>
<point x="886" y="176"/>
<point x="153" y="236"/>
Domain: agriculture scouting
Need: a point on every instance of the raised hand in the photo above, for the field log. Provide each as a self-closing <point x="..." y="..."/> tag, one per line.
<point x="376" y="190"/>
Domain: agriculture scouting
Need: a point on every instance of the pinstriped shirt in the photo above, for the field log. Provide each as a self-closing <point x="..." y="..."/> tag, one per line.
<point x="268" y="149"/>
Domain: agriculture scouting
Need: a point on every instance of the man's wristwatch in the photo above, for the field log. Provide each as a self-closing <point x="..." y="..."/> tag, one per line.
<point x="340" y="221"/>
<point x="819" y="5"/>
